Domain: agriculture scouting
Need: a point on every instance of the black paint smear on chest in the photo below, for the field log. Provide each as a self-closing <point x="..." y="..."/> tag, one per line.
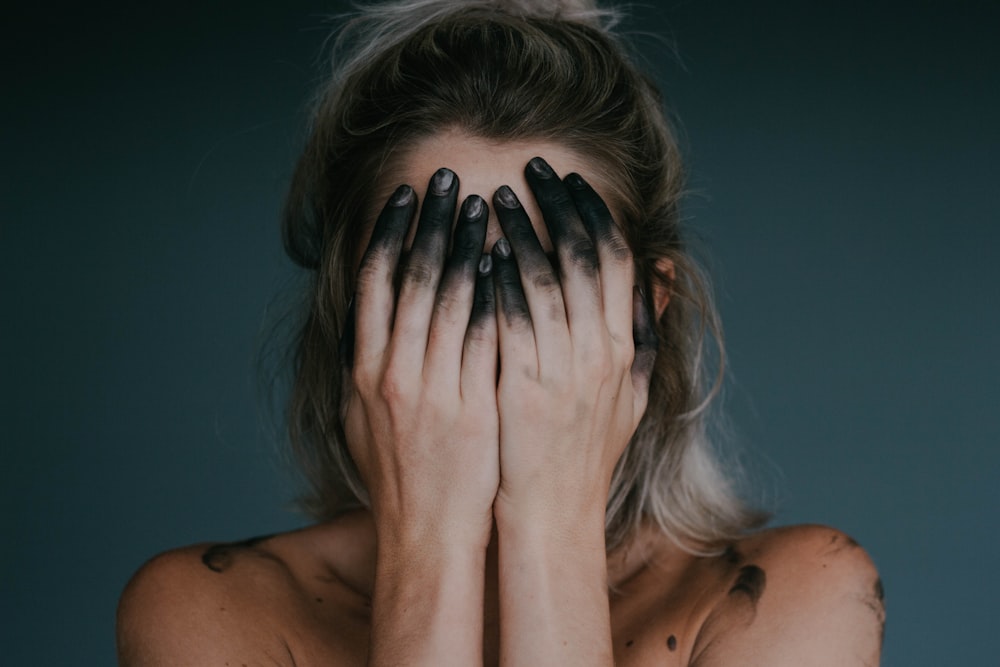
<point x="671" y="643"/>
<point x="219" y="557"/>
<point x="751" y="582"/>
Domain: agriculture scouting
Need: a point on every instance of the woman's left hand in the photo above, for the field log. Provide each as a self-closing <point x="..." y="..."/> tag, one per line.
<point x="577" y="345"/>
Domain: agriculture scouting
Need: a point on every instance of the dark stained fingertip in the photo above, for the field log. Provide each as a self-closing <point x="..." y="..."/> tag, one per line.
<point x="473" y="207"/>
<point x="502" y="248"/>
<point x="575" y="180"/>
<point x="347" y="336"/>
<point x="540" y="168"/>
<point x="441" y="181"/>
<point x="402" y="196"/>
<point x="505" y="197"/>
<point x="483" y="303"/>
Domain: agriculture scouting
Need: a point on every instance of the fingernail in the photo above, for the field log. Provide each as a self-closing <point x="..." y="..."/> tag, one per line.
<point x="402" y="196"/>
<point x="574" y="180"/>
<point x="502" y="248"/>
<point x="507" y="197"/>
<point x="541" y="168"/>
<point x="473" y="207"/>
<point x="485" y="265"/>
<point x="442" y="180"/>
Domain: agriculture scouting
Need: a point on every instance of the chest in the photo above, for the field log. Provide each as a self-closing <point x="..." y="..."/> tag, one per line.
<point x="658" y="630"/>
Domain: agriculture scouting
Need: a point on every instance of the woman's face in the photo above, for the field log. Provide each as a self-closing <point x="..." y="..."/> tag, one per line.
<point x="483" y="166"/>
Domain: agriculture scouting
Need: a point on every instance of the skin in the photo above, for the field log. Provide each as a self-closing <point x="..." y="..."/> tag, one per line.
<point x="490" y="401"/>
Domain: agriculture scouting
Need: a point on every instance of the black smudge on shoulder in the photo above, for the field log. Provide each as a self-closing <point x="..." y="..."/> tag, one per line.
<point x="876" y="602"/>
<point x="218" y="557"/>
<point x="731" y="555"/>
<point x="751" y="582"/>
<point x="838" y="542"/>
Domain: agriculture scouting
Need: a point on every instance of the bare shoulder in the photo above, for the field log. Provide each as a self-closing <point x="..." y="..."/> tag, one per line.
<point x="259" y="601"/>
<point x="793" y="596"/>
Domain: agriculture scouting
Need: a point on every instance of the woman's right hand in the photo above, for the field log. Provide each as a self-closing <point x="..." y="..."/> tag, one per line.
<point x="420" y="418"/>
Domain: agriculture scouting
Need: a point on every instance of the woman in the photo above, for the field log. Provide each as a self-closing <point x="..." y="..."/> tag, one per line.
<point x="500" y="407"/>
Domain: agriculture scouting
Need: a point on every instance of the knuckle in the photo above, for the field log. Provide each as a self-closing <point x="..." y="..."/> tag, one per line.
<point x="450" y="304"/>
<point x="361" y="379"/>
<point x="370" y="273"/>
<point x="546" y="281"/>
<point x="418" y="273"/>
<point x="617" y="247"/>
<point x="582" y="254"/>
<point x="392" y="387"/>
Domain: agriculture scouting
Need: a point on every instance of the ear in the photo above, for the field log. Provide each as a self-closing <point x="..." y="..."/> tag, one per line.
<point x="661" y="292"/>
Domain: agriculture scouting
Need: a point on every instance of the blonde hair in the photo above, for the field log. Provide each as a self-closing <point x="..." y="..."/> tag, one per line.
<point x="510" y="70"/>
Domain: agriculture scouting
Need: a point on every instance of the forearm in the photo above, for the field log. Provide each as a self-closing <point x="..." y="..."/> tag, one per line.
<point x="553" y="591"/>
<point x="427" y="605"/>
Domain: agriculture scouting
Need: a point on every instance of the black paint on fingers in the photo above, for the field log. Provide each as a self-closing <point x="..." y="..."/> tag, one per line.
<point x="467" y="246"/>
<point x="507" y="284"/>
<point x="430" y="243"/>
<point x="643" y="334"/>
<point x="597" y="218"/>
<point x="483" y="305"/>
<point x="570" y="237"/>
<point x="520" y="233"/>
<point x="391" y="227"/>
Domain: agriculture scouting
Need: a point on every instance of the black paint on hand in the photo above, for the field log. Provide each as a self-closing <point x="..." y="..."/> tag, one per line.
<point x="647" y="342"/>
<point x="483" y="305"/>
<point x="597" y="217"/>
<point x="531" y="260"/>
<point x="573" y="244"/>
<point x="430" y="243"/>
<point x="510" y="297"/>
<point x="466" y="247"/>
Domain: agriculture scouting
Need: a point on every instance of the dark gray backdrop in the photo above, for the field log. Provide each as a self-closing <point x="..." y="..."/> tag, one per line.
<point x="843" y="158"/>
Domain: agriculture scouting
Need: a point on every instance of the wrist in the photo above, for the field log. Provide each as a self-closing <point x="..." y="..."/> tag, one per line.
<point x="434" y="531"/>
<point x="550" y="513"/>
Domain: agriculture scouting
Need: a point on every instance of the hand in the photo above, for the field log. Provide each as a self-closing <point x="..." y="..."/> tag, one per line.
<point x="420" y="418"/>
<point x="577" y="346"/>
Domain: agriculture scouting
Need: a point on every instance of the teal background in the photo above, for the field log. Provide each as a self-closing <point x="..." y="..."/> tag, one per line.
<point x="843" y="160"/>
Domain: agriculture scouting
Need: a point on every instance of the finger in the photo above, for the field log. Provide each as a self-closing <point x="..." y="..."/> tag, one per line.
<point x="538" y="283"/>
<point x="422" y="270"/>
<point x="576" y="256"/>
<point x="516" y="338"/>
<point x="375" y="296"/>
<point x="479" y="355"/>
<point x="455" y="293"/>
<point x="613" y="254"/>
<point x="646" y="343"/>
